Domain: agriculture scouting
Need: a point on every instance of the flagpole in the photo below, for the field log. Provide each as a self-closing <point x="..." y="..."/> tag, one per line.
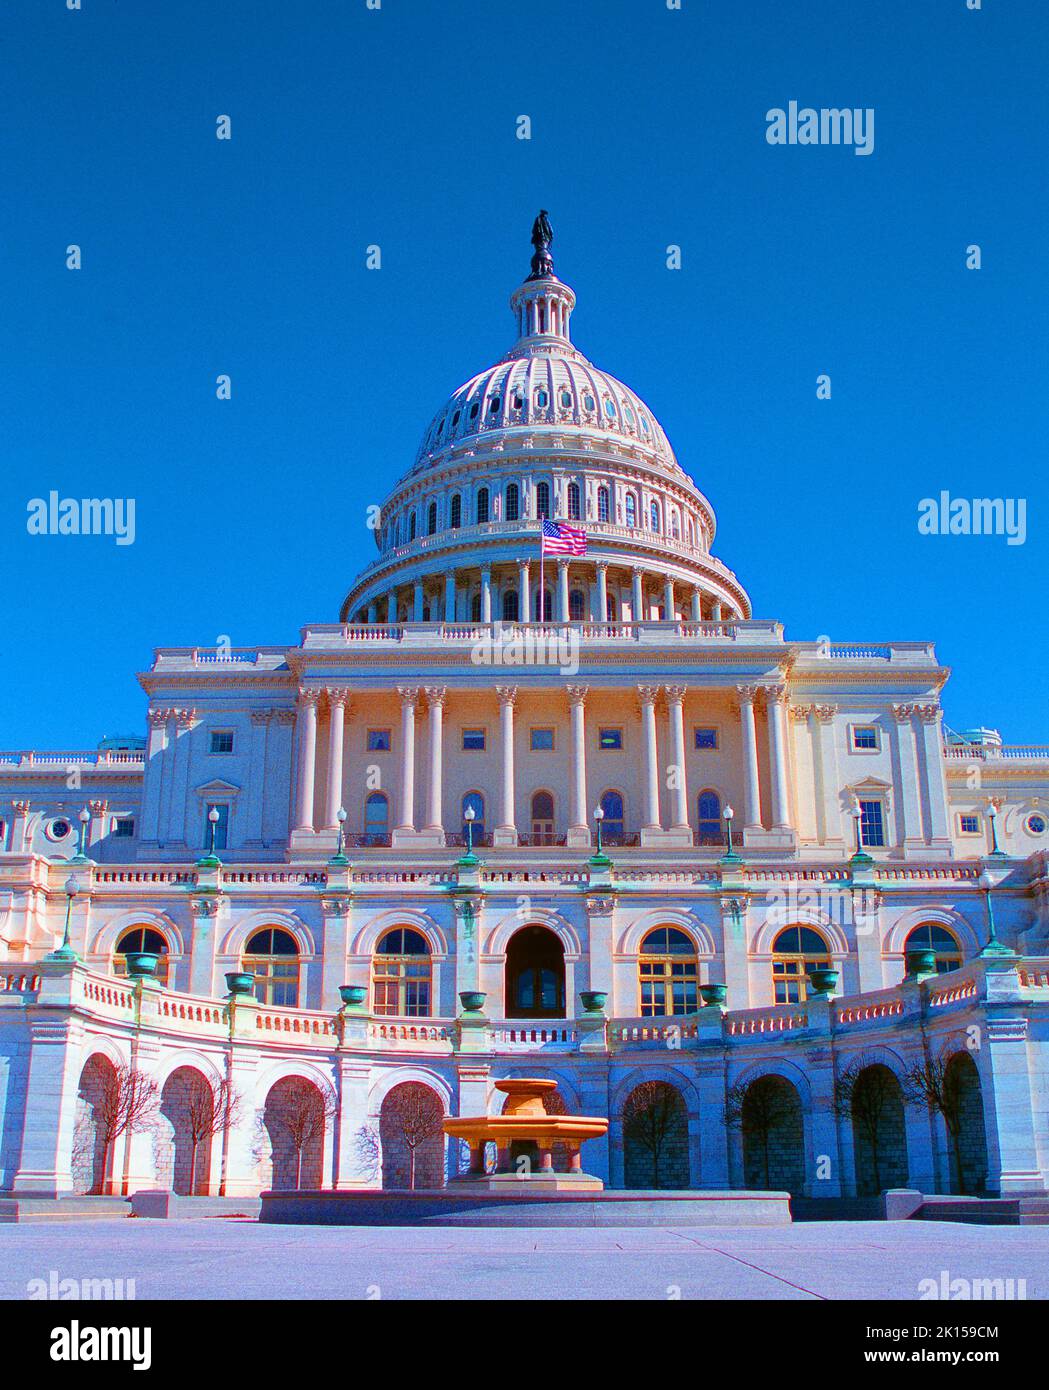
<point x="542" y="589"/>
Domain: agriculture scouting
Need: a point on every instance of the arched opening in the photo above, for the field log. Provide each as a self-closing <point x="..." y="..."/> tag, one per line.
<point x="931" y="936"/>
<point x="187" y="1104"/>
<point x="272" y="957"/>
<point x="773" y="1136"/>
<point x="139" y="939"/>
<point x="475" y="607"/>
<point x="573" y="501"/>
<point x="631" y="509"/>
<point x="542" y="501"/>
<point x="511" y="606"/>
<point x="92" y="1159"/>
<point x="796" y="951"/>
<point x="655" y="1137"/>
<point x="611" y="608"/>
<point x="412" y="1137"/>
<point x="535" y="974"/>
<point x="668" y="973"/>
<point x="431" y="518"/>
<point x="482" y="506"/>
<point x="613" y="825"/>
<point x="963" y="1116"/>
<point x="402" y="975"/>
<point x="474" y="801"/>
<point x="708" y="818"/>
<point x="376" y="819"/>
<point x="455" y="516"/>
<point x="542" y="818"/>
<point x="602" y="504"/>
<point x="295" y="1119"/>
<point x="513" y="502"/>
<point x="871" y="1096"/>
<point x="576" y="605"/>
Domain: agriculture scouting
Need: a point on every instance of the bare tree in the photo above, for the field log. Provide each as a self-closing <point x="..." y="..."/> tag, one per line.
<point x="866" y="1093"/>
<point x="367" y="1151"/>
<point x="126" y="1104"/>
<point x="415" y="1114"/>
<point x="758" y="1110"/>
<point x="203" y="1111"/>
<point x="304" y="1114"/>
<point x="938" y="1085"/>
<point x="651" y="1117"/>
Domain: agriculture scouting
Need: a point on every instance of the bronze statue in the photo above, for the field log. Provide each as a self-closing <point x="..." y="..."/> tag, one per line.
<point x="542" y="236"/>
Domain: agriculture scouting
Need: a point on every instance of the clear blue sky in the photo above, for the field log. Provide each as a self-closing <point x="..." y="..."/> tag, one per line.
<point x="397" y="127"/>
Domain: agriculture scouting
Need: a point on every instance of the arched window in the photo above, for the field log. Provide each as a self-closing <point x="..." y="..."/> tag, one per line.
<point x="631" y="509"/>
<point x="653" y="514"/>
<point x="573" y="501"/>
<point x="376" y="819"/>
<point x="142" y="939"/>
<point x="482" y="506"/>
<point x="542" y="399"/>
<point x="612" y="824"/>
<point x="542" y="500"/>
<point x="576" y="605"/>
<point x="675" y="529"/>
<point x="431" y="518"/>
<point x="796" y="951"/>
<point x="513" y="502"/>
<point x="547" y="614"/>
<point x="456" y="515"/>
<point x="668" y="973"/>
<point x="611" y="608"/>
<point x="542" y="819"/>
<point x="273" y="958"/>
<point x="511" y="606"/>
<point x="708" y="816"/>
<point x="402" y="975"/>
<point x="475" y="801"/>
<point x="930" y="936"/>
<point x="602" y="504"/>
<point x="412" y="523"/>
<point x="475" y="607"/>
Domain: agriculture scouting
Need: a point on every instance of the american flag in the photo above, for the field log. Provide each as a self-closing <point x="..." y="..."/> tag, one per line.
<point x="559" y="539"/>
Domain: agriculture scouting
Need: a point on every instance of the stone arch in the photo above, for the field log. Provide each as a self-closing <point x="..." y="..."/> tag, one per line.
<point x="769" y="1112"/>
<point x="688" y="922"/>
<point x="895" y="938"/>
<point x="499" y="937"/>
<point x="368" y="937"/>
<point x="294" y="1120"/>
<point x="879" y="1130"/>
<point x="92" y="1160"/>
<point x="243" y="929"/>
<point x="777" y="921"/>
<point x="411" y="1138"/>
<point x="967" y="1138"/>
<point x="105" y="942"/>
<point x="654" y="1121"/>
<point x="535" y="980"/>
<point x="184" y="1135"/>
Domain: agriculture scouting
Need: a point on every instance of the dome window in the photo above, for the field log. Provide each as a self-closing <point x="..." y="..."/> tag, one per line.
<point x="482" y="505"/>
<point x="602" y="504"/>
<point x="473" y="410"/>
<point x="573" y="501"/>
<point x="566" y="399"/>
<point x="628" y="412"/>
<point x="542" y="500"/>
<point x="412" y="527"/>
<point x="439" y="431"/>
<point x="542" y="400"/>
<point x="513" y="502"/>
<point x="631" y="509"/>
<point x="518" y="401"/>
<point x="610" y="409"/>
<point x="431" y="518"/>
<point x="589" y="402"/>
<point x="456" y="518"/>
<point x="493" y="405"/>
<point x="455" y="418"/>
<point x="644" y="423"/>
<point x="654" y="516"/>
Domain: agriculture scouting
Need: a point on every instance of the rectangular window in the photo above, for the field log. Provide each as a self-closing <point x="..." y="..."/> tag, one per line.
<point x="872" y="824"/>
<point x="970" y="825"/>
<point x="378" y="740"/>
<point x="473" y="740"/>
<point x="123" y="827"/>
<point x="221" y="741"/>
<point x="609" y="738"/>
<point x="706" y="738"/>
<point x="542" y="740"/>
<point x="221" y="825"/>
<point x="865" y="738"/>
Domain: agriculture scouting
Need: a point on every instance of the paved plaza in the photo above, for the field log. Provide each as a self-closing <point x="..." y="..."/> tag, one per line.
<point x="231" y="1258"/>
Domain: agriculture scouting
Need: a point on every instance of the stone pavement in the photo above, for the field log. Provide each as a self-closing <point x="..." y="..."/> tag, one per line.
<point x="229" y="1258"/>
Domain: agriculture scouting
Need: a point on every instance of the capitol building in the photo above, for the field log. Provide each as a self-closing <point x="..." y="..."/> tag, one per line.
<point x="577" y="814"/>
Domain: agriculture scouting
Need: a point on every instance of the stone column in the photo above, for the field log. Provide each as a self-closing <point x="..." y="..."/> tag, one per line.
<point x="1011" y="1107"/>
<point x="337" y="711"/>
<point x="697" y="606"/>
<point x="637" y="599"/>
<point x="409" y="699"/>
<point x="54" y="1045"/>
<point x="715" y="611"/>
<point x="909" y="802"/>
<point x="19" y="822"/>
<point x="307" y="720"/>
<point x="185" y="722"/>
<point x="435" y="700"/>
<point x="668" y="600"/>
<point x="930" y="761"/>
<point x="373" y="612"/>
<point x="449" y="597"/>
<point x="251" y="817"/>
<point x="751" y="784"/>
<point x="578" y="826"/>
<point x="391" y="606"/>
<point x="562" y="591"/>
<point x="156" y="760"/>
<point x="417" y="602"/>
<point x="647" y="695"/>
<point x="675" y="709"/>
<point x="207" y="912"/>
<point x="828" y="809"/>
<point x="97" y="828"/>
<point x="486" y="594"/>
<point x="776" y="699"/>
<point x="506" y="831"/>
<point x="524" y="599"/>
<point x="601" y="603"/>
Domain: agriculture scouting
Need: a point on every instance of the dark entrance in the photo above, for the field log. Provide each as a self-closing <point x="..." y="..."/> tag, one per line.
<point x="535" y="975"/>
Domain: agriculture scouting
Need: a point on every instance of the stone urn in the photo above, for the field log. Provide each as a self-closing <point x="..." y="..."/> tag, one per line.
<point x="713" y="994"/>
<point x="353" y="995"/>
<point x="823" y="981"/>
<point x="472" y="1001"/>
<point x="594" y="1000"/>
<point x="237" y="982"/>
<point x="921" y="963"/>
<point x="141" y="965"/>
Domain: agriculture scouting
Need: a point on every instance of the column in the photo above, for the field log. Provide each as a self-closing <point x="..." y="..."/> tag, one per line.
<point x="930" y="761"/>
<point x="435" y="700"/>
<point x="775" y="698"/>
<point x="486" y="594"/>
<point x="251" y="826"/>
<point x="185" y="722"/>
<point x="697" y="606"/>
<point x="828" y="806"/>
<point x="391" y="606"/>
<point x="373" y="612"/>
<point x="562" y="591"/>
<point x="409" y="699"/>
<point x="909" y="808"/>
<point x="524" y="600"/>
<point x="417" y="601"/>
<point x="675" y="707"/>
<point x="156" y="761"/>
<point x="307" y="758"/>
<point x="449" y="597"/>
<point x="337" y="699"/>
<point x="601" y="603"/>
<point x="507" y="827"/>
<point x="715" y="611"/>
<point x="97" y="828"/>
<point x="637" y="597"/>
<point x="668" y="600"/>
<point x="647" y="695"/>
<point x="577" y="816"/>
<point x="20" y="811"/>
<point x="751" y="785"/>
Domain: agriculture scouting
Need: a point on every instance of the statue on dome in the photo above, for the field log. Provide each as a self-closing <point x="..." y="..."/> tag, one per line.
<point x="542" y="236"/>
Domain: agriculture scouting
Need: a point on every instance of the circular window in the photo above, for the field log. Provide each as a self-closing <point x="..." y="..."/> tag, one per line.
<point x="59" y="829"/>
<point x="1036" y="823"/>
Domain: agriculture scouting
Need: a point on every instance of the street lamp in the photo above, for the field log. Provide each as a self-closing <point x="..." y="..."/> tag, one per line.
<point x="992" y="813"/>
<point x="65" y="951"/>
<point x="469" y="815"/>
<point x="210" y="860"/>
<point x="599" y="816"/>
<point x="85" y="819"/>
<point x="994" y="947"/>
<point x="730" y="856"/>
<point x="339" y="856"/>
<point x="860" y="856"/>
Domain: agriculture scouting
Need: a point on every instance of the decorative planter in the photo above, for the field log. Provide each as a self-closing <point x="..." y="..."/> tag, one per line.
<point x="594" y="1000"/>
<point x="239" y="983"/>
<point x="472" y="1001"/>
<point x="141" y="965"/>
<point x="352" y="995"/>
<point x="921" y="963"/>
<point x="823" y="981"/>
<point x="713" y="994"/>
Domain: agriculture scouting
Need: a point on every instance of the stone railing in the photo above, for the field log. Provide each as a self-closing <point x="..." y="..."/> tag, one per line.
<point x="752" y="632"/>
<point x="996" y="752"/>
<point x="120" y="762"/>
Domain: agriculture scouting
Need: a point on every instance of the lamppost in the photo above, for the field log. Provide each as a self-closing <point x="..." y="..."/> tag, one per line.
<point x="860" y="856"/>
<point x="469" y="816"/>
<point x="994" y="947"/>
<point x="730" y="856"/>
<point x="992" y="813"/>
<point x="599" y="817"/>
<point x="81" y="856"/>
<point x="65" y="951"/>
<point x="599" y="858"/>
<point x="339" y="857"/>
<point x="211" y="859"/>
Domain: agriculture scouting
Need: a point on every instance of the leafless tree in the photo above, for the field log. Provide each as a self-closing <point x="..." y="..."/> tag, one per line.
<point x="304" y="1114"/>
<point x="651" y="1116"/>
<point x="758" y="1110"/>
<point x="938" y="1085"/>
<point x="415" y="1114"/>
<point x="367" y="1150"/>
<point x="865" y="1094"/>
<point x="202" y="1111"/>
<point x="126" y="1104"/>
